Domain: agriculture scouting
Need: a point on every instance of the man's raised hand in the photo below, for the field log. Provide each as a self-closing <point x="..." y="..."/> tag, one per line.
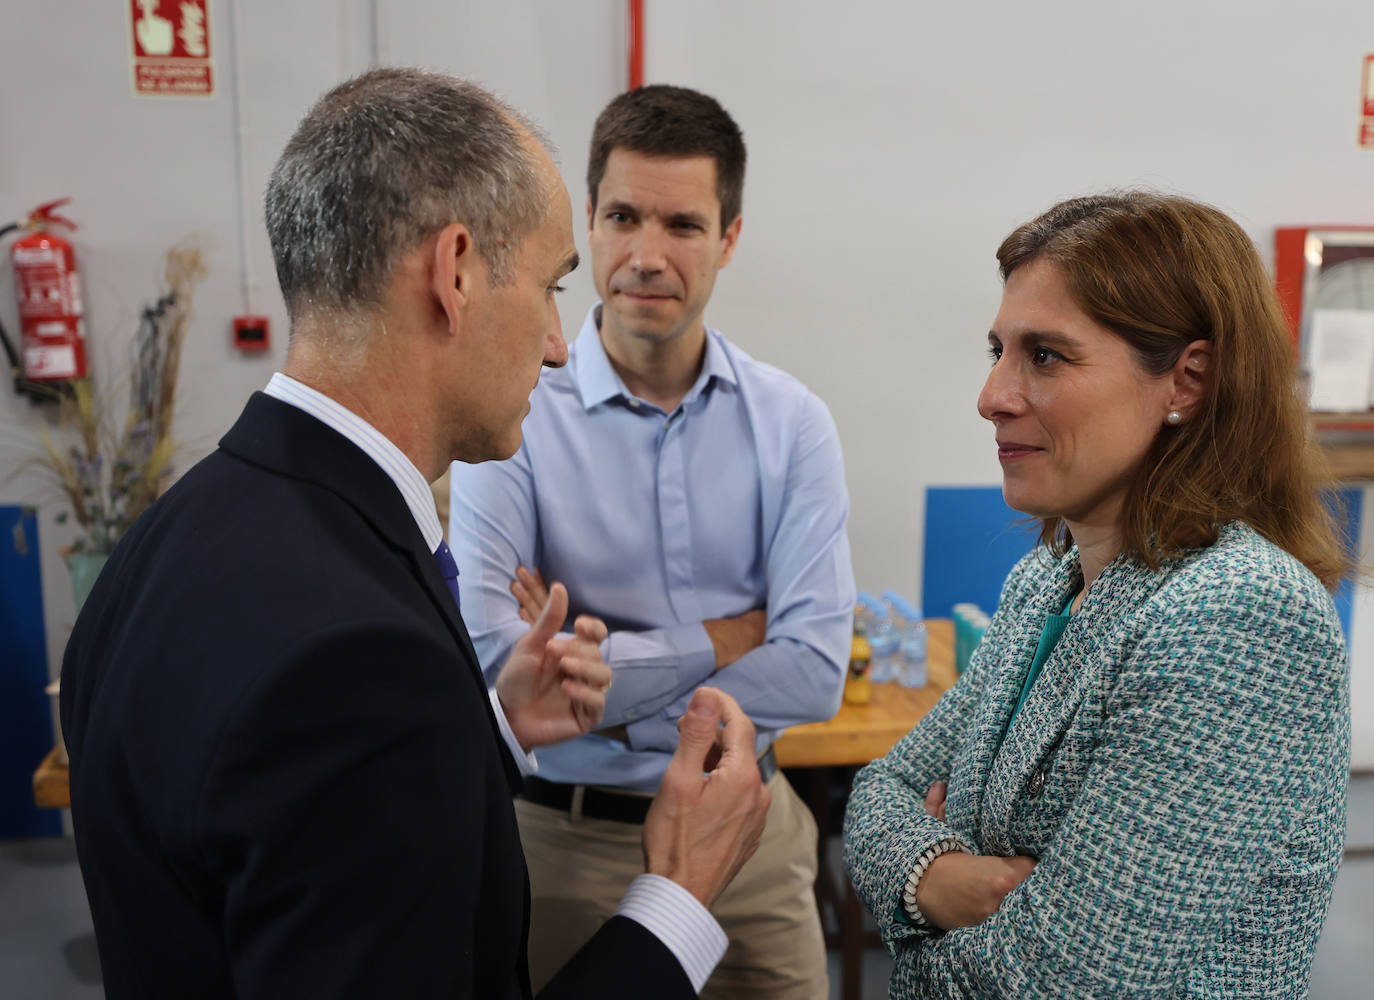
<point x="709" y="813"/>
<point x="553" y="688"/>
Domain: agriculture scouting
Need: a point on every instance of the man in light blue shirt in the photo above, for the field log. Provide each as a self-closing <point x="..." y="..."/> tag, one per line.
<point x="692" y="498"/>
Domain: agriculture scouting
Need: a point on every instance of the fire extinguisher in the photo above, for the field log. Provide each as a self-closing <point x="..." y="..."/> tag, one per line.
<point x="51" y="316"/>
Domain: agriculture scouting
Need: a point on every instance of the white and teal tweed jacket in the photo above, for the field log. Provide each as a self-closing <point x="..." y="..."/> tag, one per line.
<point x="1179" y="770"/>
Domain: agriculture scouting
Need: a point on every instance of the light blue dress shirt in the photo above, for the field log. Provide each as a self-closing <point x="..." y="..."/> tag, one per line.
<point x="657" y="522"/>
<point x="665" y="908"/>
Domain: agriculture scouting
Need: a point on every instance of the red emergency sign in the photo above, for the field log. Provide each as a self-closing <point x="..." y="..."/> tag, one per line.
<point x="170" y="48"/>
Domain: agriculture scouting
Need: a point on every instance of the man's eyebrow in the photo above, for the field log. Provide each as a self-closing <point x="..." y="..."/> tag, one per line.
<point x="618" y="206"/>
<point x="695" y="218"/>
<point x="568" y="264"/>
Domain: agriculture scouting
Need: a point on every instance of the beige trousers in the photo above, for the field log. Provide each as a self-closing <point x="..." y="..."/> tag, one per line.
<point x="580" y="869"/>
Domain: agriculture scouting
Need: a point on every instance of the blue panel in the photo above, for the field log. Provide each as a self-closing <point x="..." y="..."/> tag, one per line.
<point x="1347" y="504"/>
<point x="25" y="711"/>
<point x="973" y="539"/>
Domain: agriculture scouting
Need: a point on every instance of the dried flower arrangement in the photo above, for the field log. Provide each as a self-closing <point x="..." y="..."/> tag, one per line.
<point x="109" y="471"/>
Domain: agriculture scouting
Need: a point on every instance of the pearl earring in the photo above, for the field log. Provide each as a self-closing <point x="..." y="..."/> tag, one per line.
<point x="1174" y="418"/>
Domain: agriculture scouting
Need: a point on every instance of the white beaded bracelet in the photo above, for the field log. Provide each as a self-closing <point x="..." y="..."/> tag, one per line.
<point x="919" y="869"/>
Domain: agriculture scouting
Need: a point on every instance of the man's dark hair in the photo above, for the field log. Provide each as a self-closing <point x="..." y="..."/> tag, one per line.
<point x="659" y="120"/>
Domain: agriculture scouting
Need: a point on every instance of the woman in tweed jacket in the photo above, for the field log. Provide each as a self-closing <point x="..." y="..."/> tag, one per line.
<point x="1162" y="815"/>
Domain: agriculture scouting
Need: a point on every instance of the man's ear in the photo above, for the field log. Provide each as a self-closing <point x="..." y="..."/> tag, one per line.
<point x="1192" y="377"/>
<point x="590" y="210"/>
<point x="454" y="271"/>
<point x="731" y="238"/>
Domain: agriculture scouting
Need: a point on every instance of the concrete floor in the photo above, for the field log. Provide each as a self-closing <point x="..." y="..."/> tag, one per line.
<point x="47" y="950"/>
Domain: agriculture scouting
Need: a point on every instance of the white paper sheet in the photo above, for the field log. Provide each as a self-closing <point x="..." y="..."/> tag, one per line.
<point x="1341" y="356"/>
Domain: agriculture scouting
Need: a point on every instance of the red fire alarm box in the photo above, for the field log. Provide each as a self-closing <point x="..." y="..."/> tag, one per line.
<point x="251" y="333"/>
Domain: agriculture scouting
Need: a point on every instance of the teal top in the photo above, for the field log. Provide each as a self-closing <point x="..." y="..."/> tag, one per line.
<point x="1049" y="638"/>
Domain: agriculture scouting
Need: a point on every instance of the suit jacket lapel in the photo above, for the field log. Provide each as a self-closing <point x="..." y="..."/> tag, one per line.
<point x="1075" y="665"/>
<point x="427" y="572"/>
<point x="1014" y="753"/>
<point x="291" y="442"/>
<point x="1005" y="679"/>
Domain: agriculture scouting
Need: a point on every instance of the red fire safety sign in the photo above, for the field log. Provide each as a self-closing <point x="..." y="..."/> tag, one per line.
<point x="170" y="42"/>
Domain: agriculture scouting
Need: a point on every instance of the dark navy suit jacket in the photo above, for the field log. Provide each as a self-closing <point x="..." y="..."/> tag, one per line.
<point x="286" y="776"/>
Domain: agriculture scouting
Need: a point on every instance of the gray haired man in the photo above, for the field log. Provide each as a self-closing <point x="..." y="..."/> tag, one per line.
<point x="289" y="777"/>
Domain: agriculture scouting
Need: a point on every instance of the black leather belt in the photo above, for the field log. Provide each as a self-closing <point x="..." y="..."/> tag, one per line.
<point x="607" y="803"/>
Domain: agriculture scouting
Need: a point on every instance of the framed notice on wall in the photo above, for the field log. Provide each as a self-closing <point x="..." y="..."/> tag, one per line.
<point x="170" y="52"/>
<point x="1325" y="276"/>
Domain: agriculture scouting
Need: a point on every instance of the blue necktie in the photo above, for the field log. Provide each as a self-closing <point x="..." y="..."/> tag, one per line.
<point x="449" y="570"/>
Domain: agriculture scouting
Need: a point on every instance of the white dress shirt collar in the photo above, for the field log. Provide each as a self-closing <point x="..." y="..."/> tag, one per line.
<point x="408" y="479"/>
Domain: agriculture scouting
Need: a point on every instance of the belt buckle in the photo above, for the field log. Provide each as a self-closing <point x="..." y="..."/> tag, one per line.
<point x="767" y="764"/>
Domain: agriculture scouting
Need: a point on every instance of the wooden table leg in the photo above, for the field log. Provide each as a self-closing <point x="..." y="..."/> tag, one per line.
<point x="818" y="796"/>
<point x="849" y="914"/>
<point x="852" y="945"/>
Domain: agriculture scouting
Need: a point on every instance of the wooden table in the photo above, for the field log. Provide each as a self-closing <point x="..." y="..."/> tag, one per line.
<point x="855" y="736"/>
<point x="50" y="789"/>
<point x="860" y="733"/>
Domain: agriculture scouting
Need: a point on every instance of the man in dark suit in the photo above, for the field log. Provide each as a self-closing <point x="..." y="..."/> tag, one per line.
<point x="288" y="775"/>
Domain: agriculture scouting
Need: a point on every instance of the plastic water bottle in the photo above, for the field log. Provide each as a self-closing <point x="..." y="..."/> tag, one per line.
<point x="885" y="643"/>
<point x="913" y="641"/>
<point x="863" y="612"/>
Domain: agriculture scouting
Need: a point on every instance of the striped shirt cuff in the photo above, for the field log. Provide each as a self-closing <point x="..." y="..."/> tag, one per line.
<point x="524" y="760"/>
<point x="677" y="918"/>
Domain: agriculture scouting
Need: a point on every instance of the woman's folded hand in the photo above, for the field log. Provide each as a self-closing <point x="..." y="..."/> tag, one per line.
<point x="935" y="800"/>
<point x="961" y="890"/>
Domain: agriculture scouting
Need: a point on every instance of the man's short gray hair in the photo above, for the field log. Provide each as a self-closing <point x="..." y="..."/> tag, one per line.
<point x="381" y="163"/>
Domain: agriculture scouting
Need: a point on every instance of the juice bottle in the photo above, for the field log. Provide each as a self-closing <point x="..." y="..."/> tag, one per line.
<point x="858" y="688"/>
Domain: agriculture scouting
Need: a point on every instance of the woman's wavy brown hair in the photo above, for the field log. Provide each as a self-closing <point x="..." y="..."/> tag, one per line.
<point x="1161" y="272"/>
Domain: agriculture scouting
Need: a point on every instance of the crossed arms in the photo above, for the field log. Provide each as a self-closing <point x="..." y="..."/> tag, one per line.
<point x="783" y="662"/>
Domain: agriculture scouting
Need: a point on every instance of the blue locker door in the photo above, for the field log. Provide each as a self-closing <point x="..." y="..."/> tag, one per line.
<point x="26" y="732"/>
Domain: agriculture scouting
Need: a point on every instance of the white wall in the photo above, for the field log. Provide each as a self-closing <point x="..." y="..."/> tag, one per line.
<point x="143" y="173"/>
<point x="892" y="146"/>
